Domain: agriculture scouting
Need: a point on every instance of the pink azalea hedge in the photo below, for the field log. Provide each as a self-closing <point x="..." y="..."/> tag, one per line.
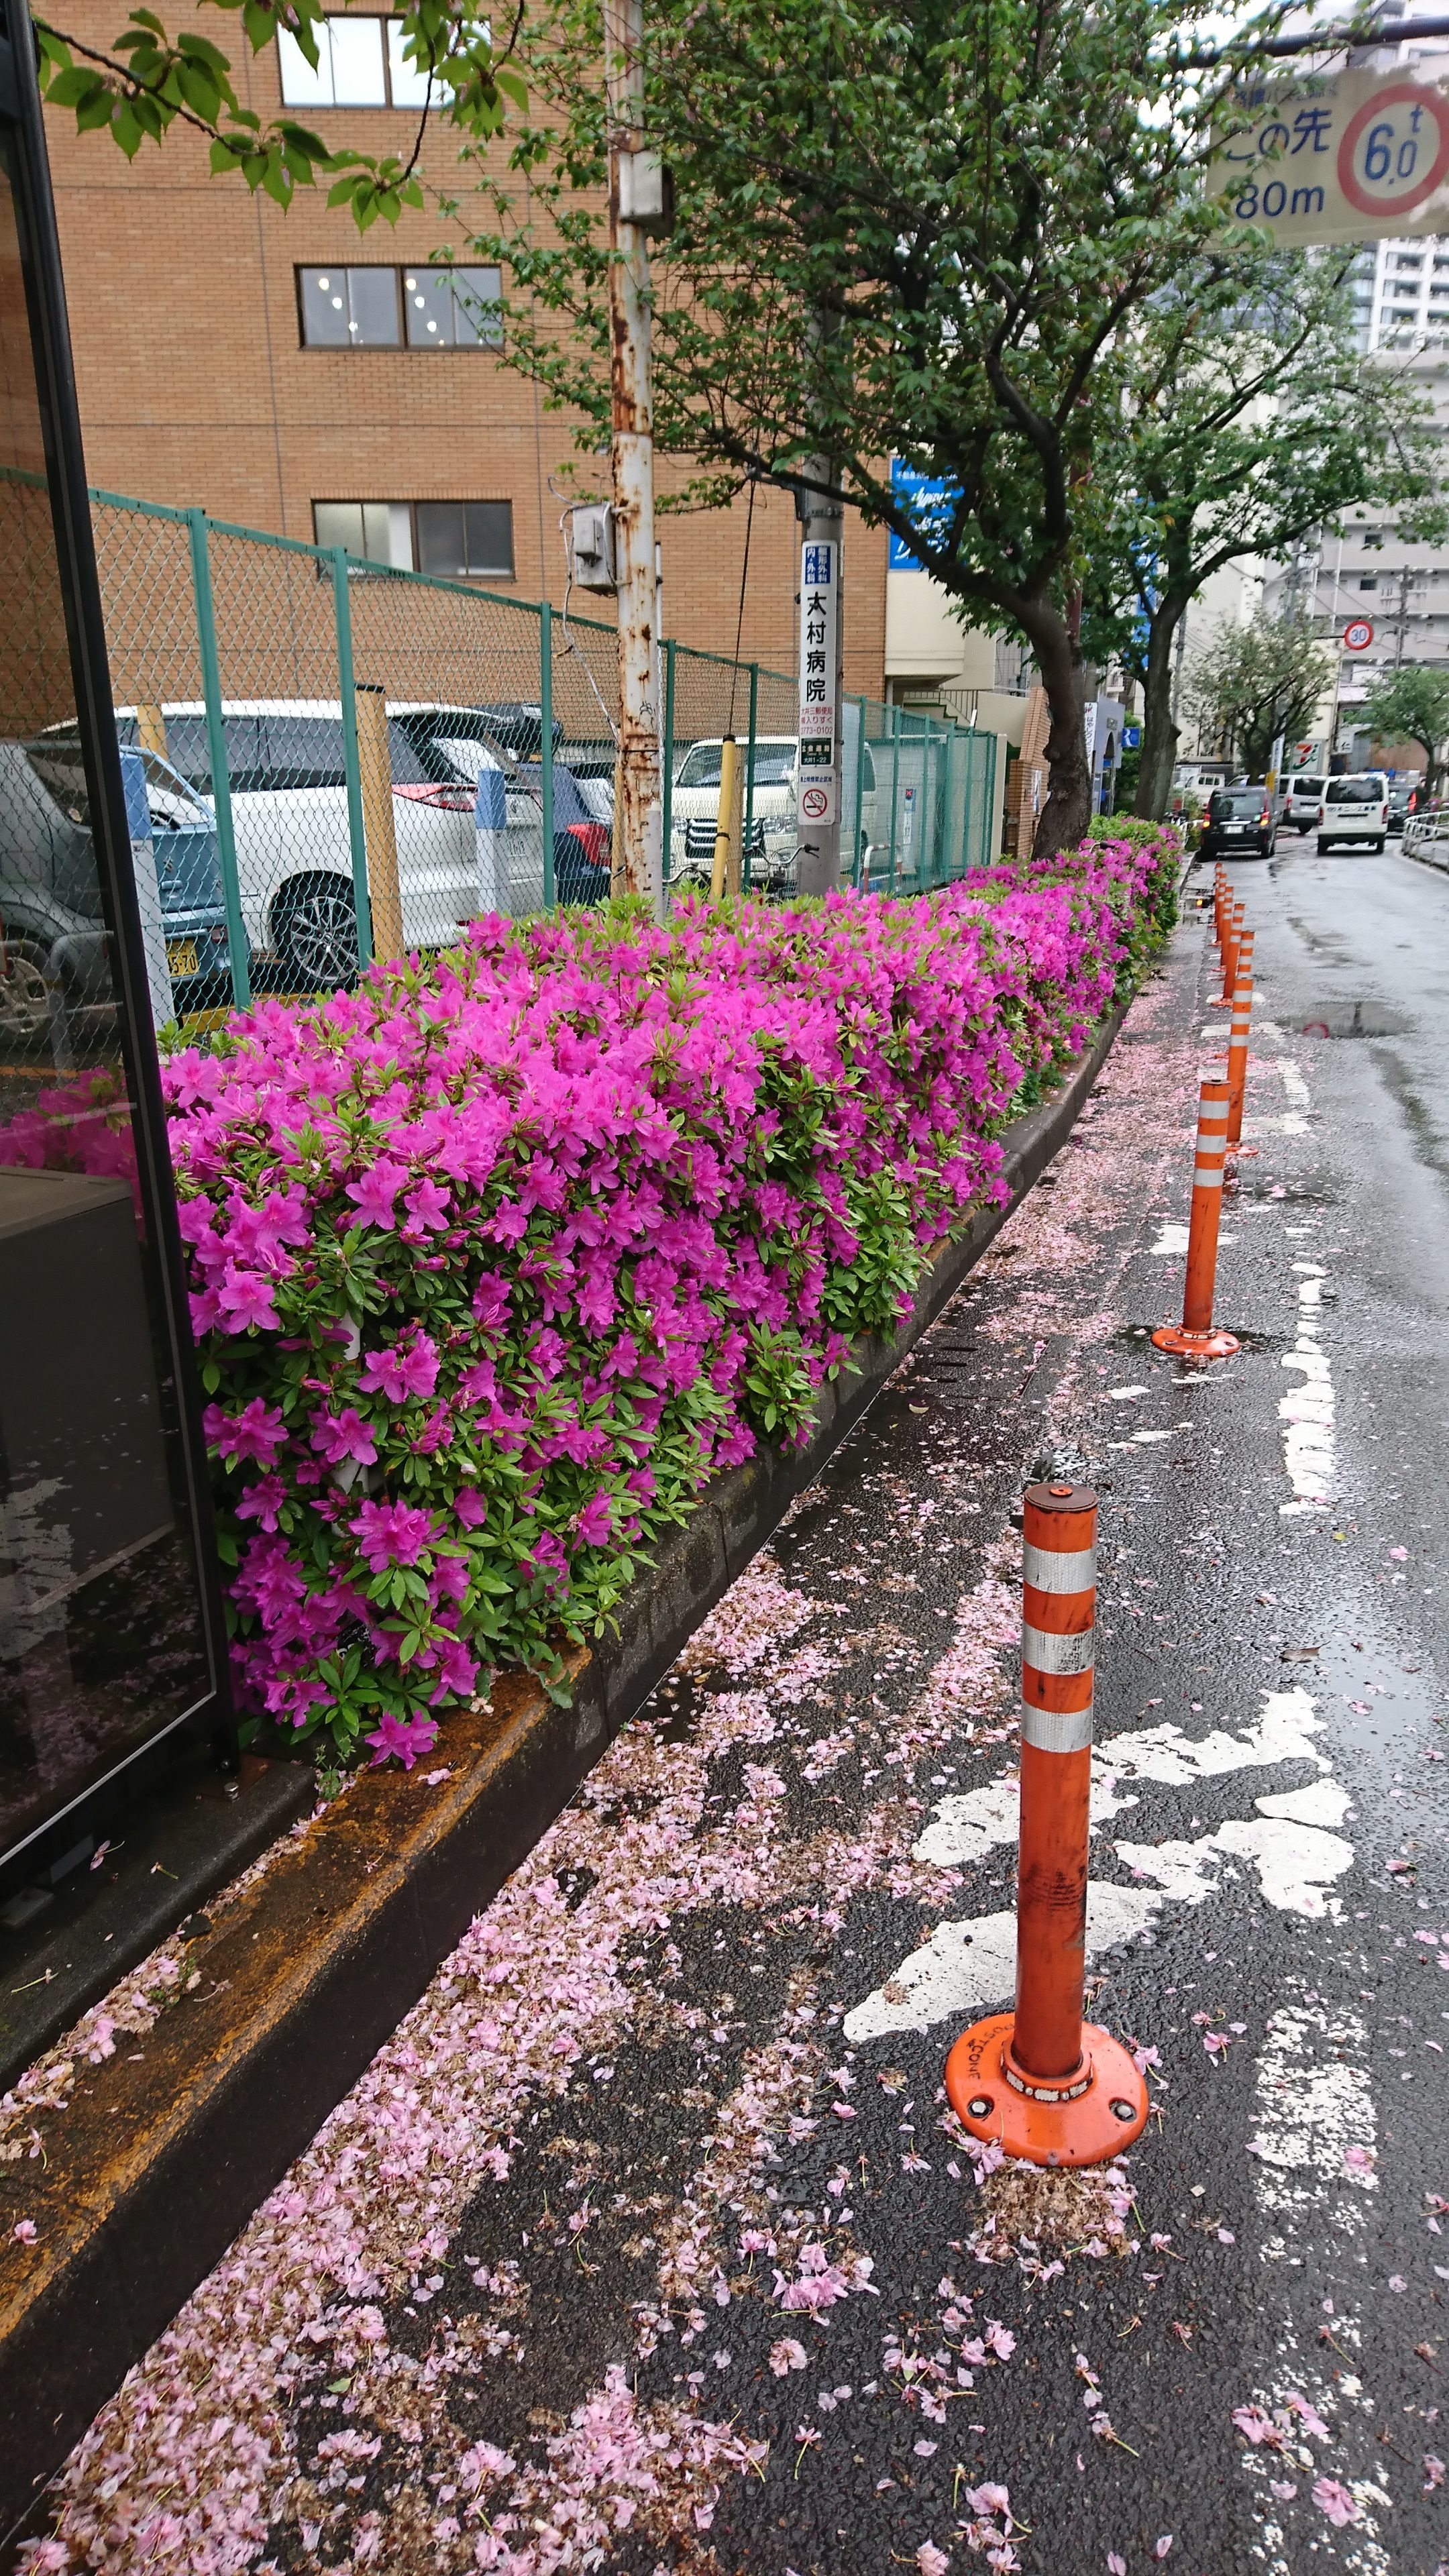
<point x="496" y="1260"/>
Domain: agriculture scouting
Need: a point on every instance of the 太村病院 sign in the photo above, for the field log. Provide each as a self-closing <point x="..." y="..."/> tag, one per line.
<point x="1341" y="159"/>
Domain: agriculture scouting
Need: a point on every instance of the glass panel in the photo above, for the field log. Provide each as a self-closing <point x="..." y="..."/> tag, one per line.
<point x="372" y="321"/>
<point x="303" y="751"/>
<point x="441" y="538"/>
<point x="101" y="1640"/>
<point x="339" y="523"/>
<point x="428" y="297"/>
<point x="324" y="307"/>
<point x="357" y="75"/>
<point x="409" y="84"/>
<point x="477" y="322"/>
<point x="488" y="530"/>
<point x="301" y="85"/>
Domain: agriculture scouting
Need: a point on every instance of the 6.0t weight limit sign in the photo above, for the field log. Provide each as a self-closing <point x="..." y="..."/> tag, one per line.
<point x="1344" y="159"/>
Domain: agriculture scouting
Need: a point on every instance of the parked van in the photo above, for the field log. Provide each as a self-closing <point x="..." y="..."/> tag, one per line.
<point x="1355" y="808"/>
<point x="1303" y="796"/>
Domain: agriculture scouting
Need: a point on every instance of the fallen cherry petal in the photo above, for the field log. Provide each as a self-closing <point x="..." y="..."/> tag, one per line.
<point x="1333" y="2498"/>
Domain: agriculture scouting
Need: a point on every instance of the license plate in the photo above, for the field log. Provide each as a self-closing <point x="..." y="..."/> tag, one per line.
<point x="181" y="957"/>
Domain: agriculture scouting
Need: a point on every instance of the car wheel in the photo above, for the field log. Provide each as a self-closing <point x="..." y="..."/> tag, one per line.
<point x="1323" y="846"/>
<point x="1303" y="831"/>
<point x="314" y="931"/>
<point x="24" y="994"/>
<point x="1379" y="846"/>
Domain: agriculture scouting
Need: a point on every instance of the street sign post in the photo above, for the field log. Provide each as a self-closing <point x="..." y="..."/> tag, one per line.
<point x="819" y="625"/>
<point x="1347" y="157"/>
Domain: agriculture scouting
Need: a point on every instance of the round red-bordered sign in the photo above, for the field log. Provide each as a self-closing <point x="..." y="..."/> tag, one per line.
<point x="1398" y="94"/>
<point x="1357" y="635"/>
<point x="814" y="804"/>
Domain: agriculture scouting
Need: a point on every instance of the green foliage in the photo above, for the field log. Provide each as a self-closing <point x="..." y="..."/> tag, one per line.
<point x="1253" y="682"/>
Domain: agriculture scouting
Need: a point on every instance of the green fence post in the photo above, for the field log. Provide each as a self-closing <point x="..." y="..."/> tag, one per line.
<point x="893" y="787"/>
<point x="988" y="805"/>
<point x="236" y="937"/>
<point x="746" y="877"/>
<point x="667" y="781"/>
<point x="545" y="749"/>
<point x="859" y="792"/>
<point x="351" y="764"/>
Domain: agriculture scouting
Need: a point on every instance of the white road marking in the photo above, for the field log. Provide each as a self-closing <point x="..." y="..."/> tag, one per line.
<point x="970" y="1965"/>
<point x="1308" y="1412"/>
<point x="1172" y="1241"/>
<point x="1313" y="2101"/>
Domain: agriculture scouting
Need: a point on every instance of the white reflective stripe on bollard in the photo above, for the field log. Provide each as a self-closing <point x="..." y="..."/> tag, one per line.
<point x="1068" y="1569"/>
<point x="1046" y="1652"/>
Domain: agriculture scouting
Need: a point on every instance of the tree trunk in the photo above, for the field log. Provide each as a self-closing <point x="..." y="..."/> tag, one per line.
<point x="1159" y="732"/>
<point x="1068" y="808"/>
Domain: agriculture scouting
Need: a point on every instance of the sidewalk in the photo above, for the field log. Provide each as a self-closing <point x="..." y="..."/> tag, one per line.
<point x="645" y="2245"/>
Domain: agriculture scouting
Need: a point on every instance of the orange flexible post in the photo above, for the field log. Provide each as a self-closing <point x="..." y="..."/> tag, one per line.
<point x="1197" y="1338"/>
<point x="1238" y="1040"/>
<point x="1233" y="934"/>
<point x="1049" y="2087"/>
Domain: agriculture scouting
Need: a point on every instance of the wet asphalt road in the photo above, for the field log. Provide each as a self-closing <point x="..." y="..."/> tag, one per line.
<point x="750" y="2067"/>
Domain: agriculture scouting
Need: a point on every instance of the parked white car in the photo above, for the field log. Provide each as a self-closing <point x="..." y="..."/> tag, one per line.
<point x="694" y="808"/>
<point x="291" y="824"/>
<point x="1303" y="797"/>
<point x="1355" y="809"/>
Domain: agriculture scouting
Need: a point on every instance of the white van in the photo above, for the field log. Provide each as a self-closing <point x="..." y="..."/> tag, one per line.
<point x="1302" y="798"/>
<point x="1355" y="808"/>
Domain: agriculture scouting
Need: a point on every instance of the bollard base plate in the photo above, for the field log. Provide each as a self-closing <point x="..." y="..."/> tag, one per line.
<point x="1103" y="2119"/>
<point x="1215" y="1344"/>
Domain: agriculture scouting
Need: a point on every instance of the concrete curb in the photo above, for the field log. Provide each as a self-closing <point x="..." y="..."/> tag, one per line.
<point x="161" y="2158"/>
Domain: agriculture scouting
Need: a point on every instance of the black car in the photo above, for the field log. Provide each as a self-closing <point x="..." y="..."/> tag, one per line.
<point x="53" y="940"/>
<point x="1240" y="824"/>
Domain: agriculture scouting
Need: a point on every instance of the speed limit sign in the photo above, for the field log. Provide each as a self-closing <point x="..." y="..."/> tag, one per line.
<point x="1357" y="635"/>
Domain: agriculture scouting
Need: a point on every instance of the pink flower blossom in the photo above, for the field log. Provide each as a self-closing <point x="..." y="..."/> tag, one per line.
<point x="1333" y="2498"/>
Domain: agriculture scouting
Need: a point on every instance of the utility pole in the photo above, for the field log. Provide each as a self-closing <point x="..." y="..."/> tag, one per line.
<point x="822" y="645"/>
<point x="636" y="202"/>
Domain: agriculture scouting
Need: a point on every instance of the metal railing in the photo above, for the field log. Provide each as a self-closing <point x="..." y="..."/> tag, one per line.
<point x="330" y="760"/>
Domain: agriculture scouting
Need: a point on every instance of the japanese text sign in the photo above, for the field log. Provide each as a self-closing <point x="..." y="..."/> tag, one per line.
<point x="819" y="631"/>
<point x="1344" y="159"/>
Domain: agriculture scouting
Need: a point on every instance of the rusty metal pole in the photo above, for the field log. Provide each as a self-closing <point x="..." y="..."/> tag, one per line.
<point x="634" y="178"/>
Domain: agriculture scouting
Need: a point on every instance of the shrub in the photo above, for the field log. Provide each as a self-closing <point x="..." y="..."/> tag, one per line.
<point x="495" y="1260"/>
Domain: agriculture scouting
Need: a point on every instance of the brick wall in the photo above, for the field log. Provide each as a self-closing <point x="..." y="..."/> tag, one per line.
<point x="194" y="387"/>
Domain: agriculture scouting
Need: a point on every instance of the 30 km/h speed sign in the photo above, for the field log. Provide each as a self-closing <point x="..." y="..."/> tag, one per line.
<point x="1358" y="635"/>
<point x="1341" y="159"/>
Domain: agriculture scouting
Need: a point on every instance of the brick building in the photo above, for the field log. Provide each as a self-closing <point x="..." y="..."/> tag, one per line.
<point x="273" y="366"/>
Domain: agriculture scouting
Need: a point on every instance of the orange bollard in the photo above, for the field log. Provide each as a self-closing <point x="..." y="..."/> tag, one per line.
<point x="1234" y="932"/>
<point x="1044" y="2084"/>
<point x="1238" y="1042"/>
<point x="1196" y="1337"/>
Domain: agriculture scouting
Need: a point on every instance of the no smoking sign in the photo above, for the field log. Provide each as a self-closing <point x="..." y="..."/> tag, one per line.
<point x="815" y="804"/>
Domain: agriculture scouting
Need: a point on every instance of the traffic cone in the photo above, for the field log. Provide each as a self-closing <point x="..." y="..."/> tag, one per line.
<point x="1196" y="1337"/>
<point x="1047" y="2086"/>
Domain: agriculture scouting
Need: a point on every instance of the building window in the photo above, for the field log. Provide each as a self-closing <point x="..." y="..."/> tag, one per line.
<point x="464" y="540"/>
<point x="458" y="540"/>
<point x="453" y="308"/>
<point x="349" y="308"/>
<point x="360" y="63"/>
<point x="1368" y="581"/>
<point x="364" y="308"/>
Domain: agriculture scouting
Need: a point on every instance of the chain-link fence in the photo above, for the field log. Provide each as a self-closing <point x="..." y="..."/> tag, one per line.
<point x="327" y="760"/>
